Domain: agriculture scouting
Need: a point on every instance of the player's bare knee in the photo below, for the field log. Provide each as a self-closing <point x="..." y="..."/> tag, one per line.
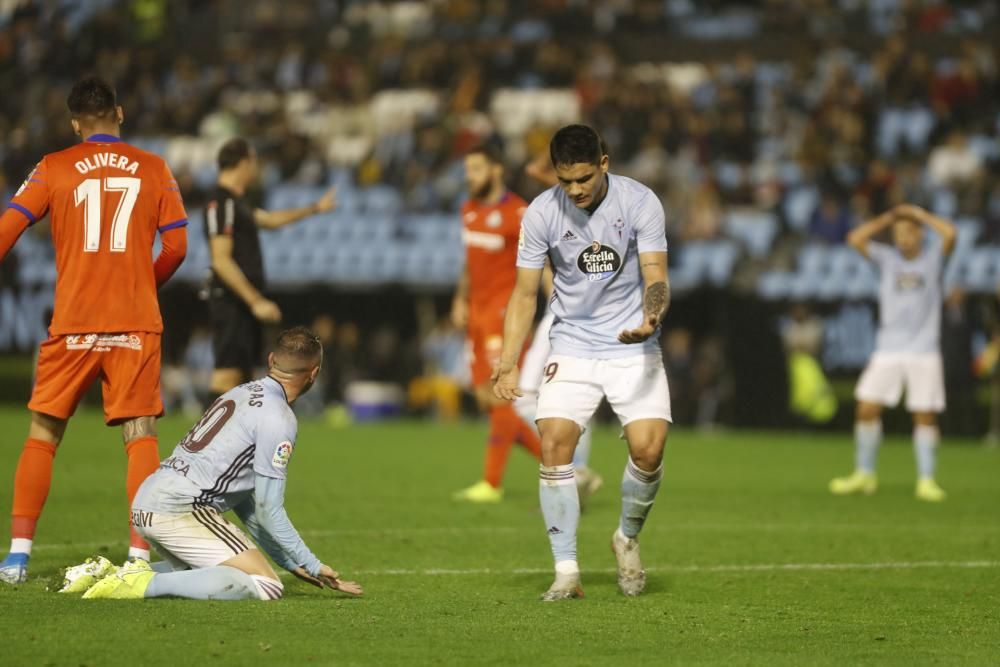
<point x="868" y="412"/>
<point x="559" y="437"/>
<point x="46" y="428"/>
<point x="924" y="419"/>
<point x="647" y="456"/>
<point x="138" y="427"/>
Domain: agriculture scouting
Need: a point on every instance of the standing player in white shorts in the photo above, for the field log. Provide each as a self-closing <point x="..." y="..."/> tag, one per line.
<point x="907" y="351"/>
<point x="605" y="238"/>
<point x="235" y="458"/>
<point x="588" y="481"/>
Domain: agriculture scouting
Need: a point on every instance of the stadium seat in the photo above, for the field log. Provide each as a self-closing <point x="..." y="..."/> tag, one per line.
<point x="755" y="229"/>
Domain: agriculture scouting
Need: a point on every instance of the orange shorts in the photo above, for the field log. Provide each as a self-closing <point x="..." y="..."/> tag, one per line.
<point x="128" y="365"/>
<point x="485" y="333"/>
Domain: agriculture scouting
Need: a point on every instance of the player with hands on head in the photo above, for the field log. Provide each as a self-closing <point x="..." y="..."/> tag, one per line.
<point x="236" y="457"/>
<point x="907" y="347"/>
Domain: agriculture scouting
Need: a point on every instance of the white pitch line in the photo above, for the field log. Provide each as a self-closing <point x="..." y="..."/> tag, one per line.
<point x="509" y="530"/>
<point x="698" y="569"/>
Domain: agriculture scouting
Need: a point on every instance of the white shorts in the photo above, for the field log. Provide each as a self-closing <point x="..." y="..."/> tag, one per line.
<point x="533" y="364"/>
<point x="202" y="538"/>
<point x="887" y="374"/>
<point x="636" y="387"/>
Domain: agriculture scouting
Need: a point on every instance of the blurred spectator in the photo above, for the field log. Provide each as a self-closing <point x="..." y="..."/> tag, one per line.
<point x="445" y="372"/>
<point x="810" y="395"/>
<point x="954" y="164"/>
<point x="831" y="221"/>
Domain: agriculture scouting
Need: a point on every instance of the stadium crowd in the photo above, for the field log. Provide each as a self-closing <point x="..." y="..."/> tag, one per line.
<point x="864" y="105"/>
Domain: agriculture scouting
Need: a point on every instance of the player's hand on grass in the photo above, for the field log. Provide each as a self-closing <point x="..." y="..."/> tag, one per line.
<point x="505" y="382"/>
<point x="266" y="311"/>
<point x="328" y="578"/>
<point x="331" y="579"/>
<point x="327" y="202"/>
<point x="647" y="329"/>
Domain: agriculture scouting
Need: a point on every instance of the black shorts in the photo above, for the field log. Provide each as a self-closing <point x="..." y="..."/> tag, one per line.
<point x="236" y="334"/>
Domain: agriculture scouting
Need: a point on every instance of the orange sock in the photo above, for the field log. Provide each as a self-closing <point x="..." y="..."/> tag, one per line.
<point x="498" y="447"/>
<point x="506" y="428"/>
<point x="143" y="460"/>
<point x="31" y="487"/>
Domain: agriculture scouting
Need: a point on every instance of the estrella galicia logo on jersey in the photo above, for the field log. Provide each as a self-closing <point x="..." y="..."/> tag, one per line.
<point x="599" y="262"/>
<point x="282" y="455"/>
<point x="909" y="281"/>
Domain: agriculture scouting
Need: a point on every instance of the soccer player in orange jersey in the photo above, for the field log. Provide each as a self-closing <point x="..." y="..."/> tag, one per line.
<point x="491" y="224"/>
<point x="106" y="202"/>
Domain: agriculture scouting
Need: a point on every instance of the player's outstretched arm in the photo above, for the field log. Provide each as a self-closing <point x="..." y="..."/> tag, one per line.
<point x="866" y="231"/>
<point x="269" y="510"/>
<point x="517" y="324"/>
<point x="944" y="229"/>
<point x="275" y="219"/>
<point x="656" y="297"/>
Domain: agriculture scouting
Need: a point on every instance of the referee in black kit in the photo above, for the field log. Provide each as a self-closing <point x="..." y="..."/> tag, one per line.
<point x="237" y="303"/>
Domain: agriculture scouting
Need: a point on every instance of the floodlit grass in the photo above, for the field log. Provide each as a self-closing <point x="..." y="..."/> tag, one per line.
<point x="750" y="560"/>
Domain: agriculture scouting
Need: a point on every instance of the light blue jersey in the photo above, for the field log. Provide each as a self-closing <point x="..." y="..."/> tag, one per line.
<point x="249" y="430"/>
<point x="595" y="258"/>
<point x="909" y="298"/>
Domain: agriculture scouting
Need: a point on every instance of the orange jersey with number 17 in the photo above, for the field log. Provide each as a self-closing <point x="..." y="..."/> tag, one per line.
<point x="106" y="201"/>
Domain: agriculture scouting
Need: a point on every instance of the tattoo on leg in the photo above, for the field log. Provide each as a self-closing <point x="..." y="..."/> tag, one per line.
<point x="139" y="427"/>
<point x="657" y="300"/>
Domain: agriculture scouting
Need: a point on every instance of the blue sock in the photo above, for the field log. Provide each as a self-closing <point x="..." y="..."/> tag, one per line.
<point x="925" y="443"/>
<point x="211" y="583"/>
<point x="561" y="508"/>
<point x="581" y="457"/>
<point x="16" y="559"/>
<point x="867" y="436"/>
<point x="638" y="493"/>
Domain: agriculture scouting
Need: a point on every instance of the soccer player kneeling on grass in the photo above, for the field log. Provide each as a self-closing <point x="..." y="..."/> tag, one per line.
<point x="907" y="351"/>
<point x="235" y="458"/>
<point x="605" y="238"/>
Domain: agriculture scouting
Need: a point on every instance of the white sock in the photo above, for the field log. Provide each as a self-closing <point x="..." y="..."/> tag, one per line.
<point x="925" y="443"/>
<point x="561" y="508"/>
<point x="867" y="436"/>
<point x="638" y="493"/>
<point x="21" y="545"/>
<point x="581" y="457"/>
<point x="136" y="552"/>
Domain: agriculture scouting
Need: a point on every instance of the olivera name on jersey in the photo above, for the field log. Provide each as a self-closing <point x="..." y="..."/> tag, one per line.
<point x="98" y="160"/>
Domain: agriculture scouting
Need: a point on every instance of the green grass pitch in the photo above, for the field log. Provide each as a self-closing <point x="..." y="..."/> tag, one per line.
<point x="750" y="560"/>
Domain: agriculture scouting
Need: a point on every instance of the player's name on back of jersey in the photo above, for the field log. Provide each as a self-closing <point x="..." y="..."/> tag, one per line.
<point x="99" y="160"/>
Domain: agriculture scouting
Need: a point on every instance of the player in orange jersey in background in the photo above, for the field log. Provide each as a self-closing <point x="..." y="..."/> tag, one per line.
<point x="491" y="224"/>
<point x="106" y="202"/>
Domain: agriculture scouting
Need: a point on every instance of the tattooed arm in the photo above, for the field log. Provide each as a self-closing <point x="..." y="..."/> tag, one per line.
<point x="656" y="299"/>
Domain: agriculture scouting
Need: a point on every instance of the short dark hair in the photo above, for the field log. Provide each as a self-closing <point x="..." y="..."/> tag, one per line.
<point x="298" y="343"/>
<point x="92" y="96"/>
<point x="489" y="151"/>
<point x="233" y="152"/>
<point x="574" y="144"/>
